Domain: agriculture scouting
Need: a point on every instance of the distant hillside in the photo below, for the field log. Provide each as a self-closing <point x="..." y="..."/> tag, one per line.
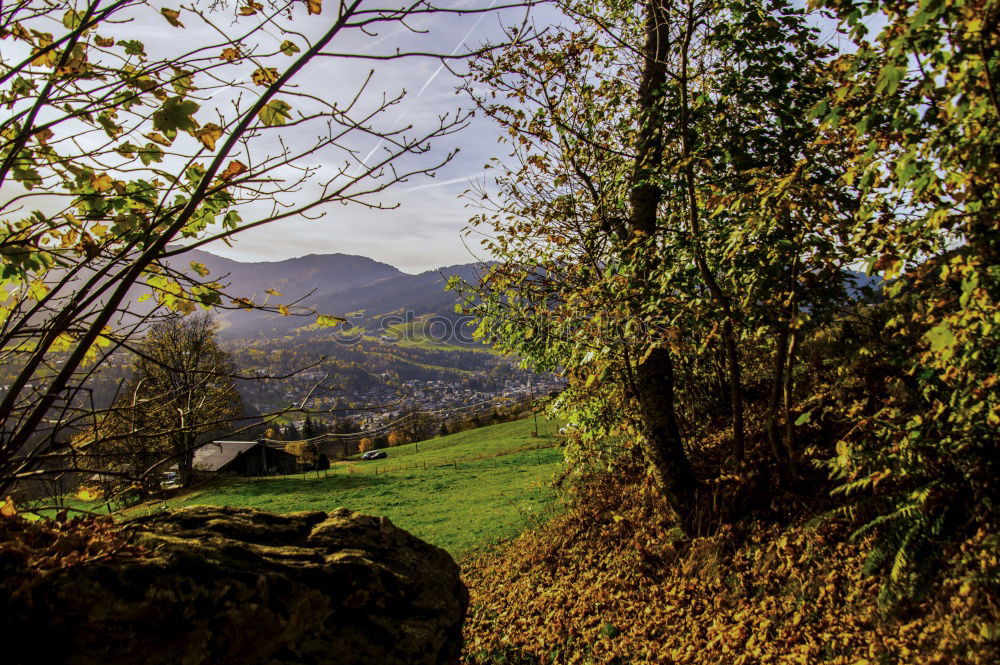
<point x="293" y="278"/>
<point x="420" y="294"/>
<point x="329" y="283"/>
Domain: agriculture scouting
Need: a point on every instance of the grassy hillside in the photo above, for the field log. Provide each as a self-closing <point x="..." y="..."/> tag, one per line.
<point x="461" y="492"/>
<point x="414" y="335"/>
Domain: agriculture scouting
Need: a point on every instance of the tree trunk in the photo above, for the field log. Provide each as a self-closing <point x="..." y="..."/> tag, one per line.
<point x="789" y="425"/>
<point x="774" y="398"/>
<point x="694" y="222"/>
<point x="664" y="450"/>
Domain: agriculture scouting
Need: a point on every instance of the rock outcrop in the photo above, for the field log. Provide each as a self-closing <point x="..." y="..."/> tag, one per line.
<point x="231" y="586"/>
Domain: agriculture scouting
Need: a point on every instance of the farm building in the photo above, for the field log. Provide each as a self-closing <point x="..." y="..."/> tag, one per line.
<point x="243" y="458"/>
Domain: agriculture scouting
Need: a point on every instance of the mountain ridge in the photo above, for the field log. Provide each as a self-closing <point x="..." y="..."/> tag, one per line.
<point x="334" y="284"/>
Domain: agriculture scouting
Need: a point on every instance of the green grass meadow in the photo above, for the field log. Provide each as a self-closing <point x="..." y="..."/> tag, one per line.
<point x="461" y="492"/>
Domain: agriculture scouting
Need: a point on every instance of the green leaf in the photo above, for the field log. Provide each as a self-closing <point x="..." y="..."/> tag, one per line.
<point x="275" y="113"/>
<point x="176" y="114"/>
<point x="942" y="339"/>
<point x="232" y="220"/>
<point x="72" y="19"/>
<point x="183" y="81"/>
<point x="151" y="153"/>
<point x="905" y="169"/>
<point x="27" y="176"/>
<point x="804" y="418"/>
<point x="133" y="47"/>
<point x="889" y="79"/>
<point x="289" y="48"/>
<point x="127" y="149"/>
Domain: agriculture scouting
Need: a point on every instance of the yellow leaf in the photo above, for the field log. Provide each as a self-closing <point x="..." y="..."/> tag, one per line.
<point x="172" y="16"/>
<point x="8" y="509"/>
<point x="208" y="135"/>
<point x="235" y="168"/>
<point x="230" y="54"/>
<point x="315" y="6"/>
<point x="157" y="137"/>
<point x="48" y="58"/>
<point x="264" y="76"/>
<point x="102" y="183"/>
<point x="250" y="8"/>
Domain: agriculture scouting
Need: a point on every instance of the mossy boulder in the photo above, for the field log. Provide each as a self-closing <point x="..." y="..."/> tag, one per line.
<point x="220" y="586"/>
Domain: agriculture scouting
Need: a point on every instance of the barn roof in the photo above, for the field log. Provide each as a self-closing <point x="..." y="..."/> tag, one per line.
<point x="216" y="455"/>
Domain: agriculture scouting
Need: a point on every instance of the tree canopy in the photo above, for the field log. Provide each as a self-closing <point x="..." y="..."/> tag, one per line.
<point x="714" y="221"/>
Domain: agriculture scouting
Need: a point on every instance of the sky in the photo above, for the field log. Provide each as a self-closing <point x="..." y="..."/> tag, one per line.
<point x="422" y="228"/>
<point x="424" y="231"/>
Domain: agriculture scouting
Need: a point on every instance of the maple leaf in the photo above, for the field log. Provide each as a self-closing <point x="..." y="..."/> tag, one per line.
<point x="230" y="54"/>
<point x="176" y="113"/>
<point x="289" y="48"/>
<point x="275" y="113"/>
<point x="235" y="168"/>
<point x="315" y="6"/>
<point x="208" y="135"/>
<point x="102" y="183"/>
<point x="264" y="76"/>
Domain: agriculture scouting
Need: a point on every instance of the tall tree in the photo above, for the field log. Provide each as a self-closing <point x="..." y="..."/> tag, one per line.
<point x="650" y="232"/>
<point x="181" y="390"/>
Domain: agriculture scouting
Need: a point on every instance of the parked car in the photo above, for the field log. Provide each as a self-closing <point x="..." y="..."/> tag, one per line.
<point x="169" y="480"/>
<point x="374" y="454"/>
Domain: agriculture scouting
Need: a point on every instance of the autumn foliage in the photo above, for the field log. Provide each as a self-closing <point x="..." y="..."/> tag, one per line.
<point x="31" y="550"/>
<point x="398" y="438"/>
<point x="612" y="581"/>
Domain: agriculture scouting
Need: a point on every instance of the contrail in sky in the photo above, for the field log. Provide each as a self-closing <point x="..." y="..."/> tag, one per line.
<point x="431" y="78"/>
